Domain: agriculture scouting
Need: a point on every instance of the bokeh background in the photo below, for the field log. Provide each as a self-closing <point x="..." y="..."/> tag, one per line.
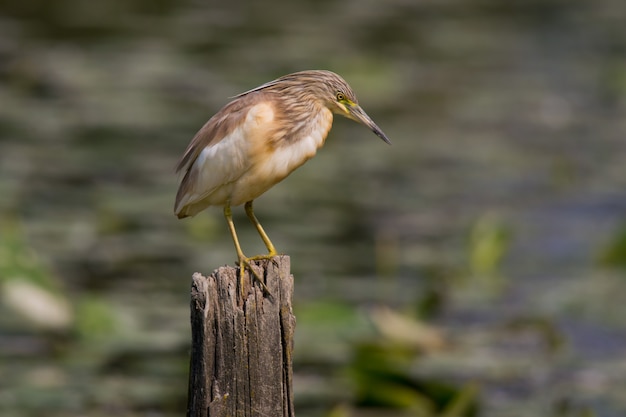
<point x="475" y="267"/>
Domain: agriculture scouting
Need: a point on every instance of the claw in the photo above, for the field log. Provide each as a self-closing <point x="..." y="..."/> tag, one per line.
<point x="244" y="263"/>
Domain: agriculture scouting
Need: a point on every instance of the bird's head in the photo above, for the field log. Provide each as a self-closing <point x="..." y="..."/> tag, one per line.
<point x="340" y="99"/>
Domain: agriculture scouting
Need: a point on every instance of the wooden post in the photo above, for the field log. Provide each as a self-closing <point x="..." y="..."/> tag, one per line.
<point x="241" y="347"/>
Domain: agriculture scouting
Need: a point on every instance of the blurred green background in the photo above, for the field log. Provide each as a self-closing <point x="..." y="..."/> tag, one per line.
<point x="475" y="267"/>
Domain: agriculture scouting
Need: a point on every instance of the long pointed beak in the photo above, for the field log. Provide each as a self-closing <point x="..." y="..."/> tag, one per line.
<point x="357" y="114"/>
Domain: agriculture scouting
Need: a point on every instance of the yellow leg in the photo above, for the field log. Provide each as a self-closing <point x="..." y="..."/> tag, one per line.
<point x="244" y="261"/>
<point x="259" y="228"/>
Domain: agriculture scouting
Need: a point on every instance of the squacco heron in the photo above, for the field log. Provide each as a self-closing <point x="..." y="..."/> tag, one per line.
<point x="256" y="140"/>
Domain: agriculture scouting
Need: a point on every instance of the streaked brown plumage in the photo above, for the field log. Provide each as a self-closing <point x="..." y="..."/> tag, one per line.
<point x="259" y="138"/>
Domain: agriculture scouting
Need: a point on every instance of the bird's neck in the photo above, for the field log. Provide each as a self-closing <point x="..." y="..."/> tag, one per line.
<point x="305" y="119"/>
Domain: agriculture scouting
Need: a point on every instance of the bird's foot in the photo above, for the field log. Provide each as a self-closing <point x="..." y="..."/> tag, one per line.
<point x="246" y="263"/>
<point x="269" y="257"/>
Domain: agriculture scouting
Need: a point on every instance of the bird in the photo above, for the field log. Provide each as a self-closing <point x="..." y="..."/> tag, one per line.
<point x="256" y="140"/>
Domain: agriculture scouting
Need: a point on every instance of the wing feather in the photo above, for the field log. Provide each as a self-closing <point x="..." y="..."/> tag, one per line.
<point x="217" y="156"/>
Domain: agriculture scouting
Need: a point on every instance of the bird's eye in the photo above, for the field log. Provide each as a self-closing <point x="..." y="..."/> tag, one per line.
<point x="340" y="96"/>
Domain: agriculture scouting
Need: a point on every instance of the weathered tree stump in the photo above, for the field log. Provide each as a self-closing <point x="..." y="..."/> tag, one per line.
<point x="241" y="347"/>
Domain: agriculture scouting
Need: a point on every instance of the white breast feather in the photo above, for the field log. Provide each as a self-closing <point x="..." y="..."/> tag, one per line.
<point x="286" y="159"/>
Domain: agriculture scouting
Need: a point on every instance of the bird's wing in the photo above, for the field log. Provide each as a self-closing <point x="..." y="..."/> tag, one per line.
<point x="218" y="153"/>
<point x="216" y="129"/>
